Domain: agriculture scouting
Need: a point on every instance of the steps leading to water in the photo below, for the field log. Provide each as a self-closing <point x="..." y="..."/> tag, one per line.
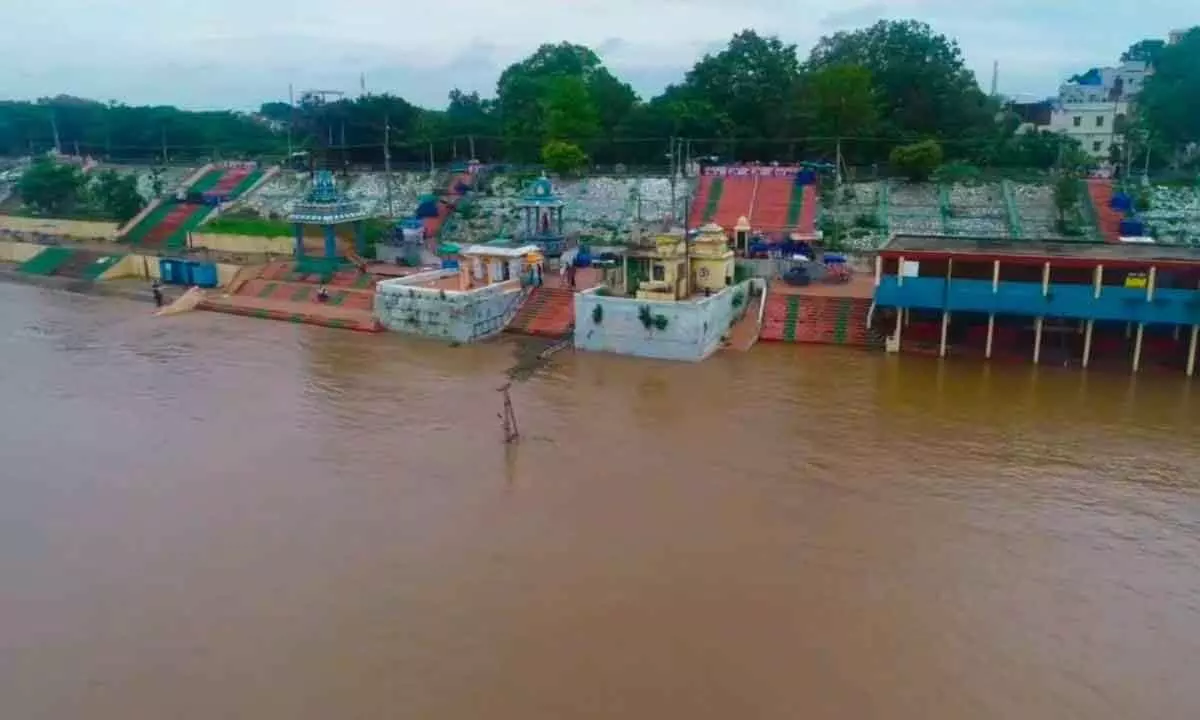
<point x="772" y="205"/>
<point x="547" y="312"/>
<point x="700" y="202"/>
<point x="286" y="291"/>
<point x="819" y="319"/>
<point x="73" y="263"/>
<point x="735" y="201"/>
<point x="1100" y="192"/>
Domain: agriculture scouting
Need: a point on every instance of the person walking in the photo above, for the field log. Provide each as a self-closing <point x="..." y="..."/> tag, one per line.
<point x="156" y="290"/>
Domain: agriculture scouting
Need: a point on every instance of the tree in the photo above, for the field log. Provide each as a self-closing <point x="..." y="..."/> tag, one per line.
<point x="921" y="82"/>
<point x="521" y="92"/>
<point x="1170" y="101"/>
<point x="1147" y="51"/>
<point x="51" y="188"/>
<point x="918" y="161"/>
<point x="563" y="157"/>
<point x="750" y="86"/>
<point x="1068" y="191"/>
<point x="116" y="195"/>
<point x="568" y="110"/>
<point x="838" y="101"/>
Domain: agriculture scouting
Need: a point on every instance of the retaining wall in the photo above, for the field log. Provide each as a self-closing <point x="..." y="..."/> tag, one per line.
<point x="65" y="228"/>
<point x="455" y="316"/>
<point x="693" y="330"/>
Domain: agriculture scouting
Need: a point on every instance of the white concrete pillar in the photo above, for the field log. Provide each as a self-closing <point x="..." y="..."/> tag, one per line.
<point x="1137" y="348"/>
<point x="1191" y="364"/>
<point x="1087" y="342"/>
<point x="995" y="275"/>
<point x="1046" y="278"/>
<point x="899" y="327"/>
<point x="1037" y="340"/>
<point x="900" y="271"/>
<point x="1097" y="279"/>
<point x="987" y="353"/>
<point x="878" y="270"/>
<point x="945" y="325"/>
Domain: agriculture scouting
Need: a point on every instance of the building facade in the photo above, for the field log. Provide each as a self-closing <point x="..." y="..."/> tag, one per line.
<point x="1093" y="124"/>
<point x="1049" y="303"/>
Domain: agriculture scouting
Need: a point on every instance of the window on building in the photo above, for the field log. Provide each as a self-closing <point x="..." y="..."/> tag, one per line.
<point x="1097" y="146"/>
<point x="658" y="273"/>
<point x="1078" y="120"/>
<point x="1099" y="121"/>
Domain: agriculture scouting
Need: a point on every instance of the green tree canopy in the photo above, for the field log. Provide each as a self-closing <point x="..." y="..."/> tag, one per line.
<point x="51" y="188"/>
<point x="921" y="82"/>
<point x="1170" y="102"/>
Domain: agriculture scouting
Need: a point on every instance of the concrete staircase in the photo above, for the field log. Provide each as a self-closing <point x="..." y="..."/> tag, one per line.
<point x="700" y="201"/>
<point x="70" y="263"/>
<point x="771" y="205"/>
<point x="816" y="319"/>
<point x="283" y="291"/>
<point x="1108" y="221"/>
<point x="808" y="210"/>
<point x="548" y="312"/>
<point x="737" y="197"/>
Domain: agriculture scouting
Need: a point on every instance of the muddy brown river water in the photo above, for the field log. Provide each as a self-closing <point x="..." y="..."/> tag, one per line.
<point x="215" y="517"/>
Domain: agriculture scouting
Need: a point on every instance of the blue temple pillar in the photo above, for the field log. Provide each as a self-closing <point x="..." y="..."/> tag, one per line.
<point x="299" y="231"/>
<point x="330" y="243"/>
<point x="360" y="238"/>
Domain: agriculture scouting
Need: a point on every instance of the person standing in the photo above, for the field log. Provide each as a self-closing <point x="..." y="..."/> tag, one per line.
<point x="156" y="290"/>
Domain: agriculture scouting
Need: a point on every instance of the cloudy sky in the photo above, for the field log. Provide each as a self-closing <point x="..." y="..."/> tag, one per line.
<point x="239" y="53"/>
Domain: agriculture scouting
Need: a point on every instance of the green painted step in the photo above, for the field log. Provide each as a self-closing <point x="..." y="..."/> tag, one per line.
<point x="363" y="282"/>
<point x="269" y="290"/>
<point x="207" y="181"/>
<point x="301" y="294"/>
<point x="795" y="206"/>
<point x="246" y="183"/>
<point x="100" y="266"/>
<point x="789" y="326"/>
<point x="714" y="198"/>
<point x="843" y="319"/>
<point x="148" y="223"/>
<point x="178" y="239"/>
<point x="45" y="262"/>
<point x="337" y="298"/>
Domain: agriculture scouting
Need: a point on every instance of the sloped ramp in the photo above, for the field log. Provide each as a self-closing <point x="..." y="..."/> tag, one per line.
<point x="185" y="302"/>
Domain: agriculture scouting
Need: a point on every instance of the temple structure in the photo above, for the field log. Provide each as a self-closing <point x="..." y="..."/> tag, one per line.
<point x="328" y="207"/>
<point x="543" y="211"/>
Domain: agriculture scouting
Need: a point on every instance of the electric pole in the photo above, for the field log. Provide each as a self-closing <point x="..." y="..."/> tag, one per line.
<point x="163" y="135"/>
<point x="291" y="120"/>
<point x="387" y="159"/>
<point x="471" y="139"/>
<point x="671" y="159"/>
<point x="431" y="159"/>
<point x="54" y="128"/>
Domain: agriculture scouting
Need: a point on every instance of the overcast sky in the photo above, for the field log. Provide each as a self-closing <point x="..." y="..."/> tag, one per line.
<point x="239" y="53"/>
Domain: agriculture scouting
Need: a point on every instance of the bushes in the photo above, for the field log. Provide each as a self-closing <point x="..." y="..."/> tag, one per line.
<point x="917" y="162"/>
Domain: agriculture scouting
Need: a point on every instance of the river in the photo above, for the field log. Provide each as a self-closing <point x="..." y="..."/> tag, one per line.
<point x="216" y="517"/>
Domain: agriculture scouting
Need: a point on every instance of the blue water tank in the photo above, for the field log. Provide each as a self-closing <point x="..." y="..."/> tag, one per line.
<point x="449" y="264"/>
<point x="203" y="274"/>
<point x="170" y="271"/>
<point x="806" y="177"/>
<point x="1132" y="228"/>
<point x="1121" y="201"/>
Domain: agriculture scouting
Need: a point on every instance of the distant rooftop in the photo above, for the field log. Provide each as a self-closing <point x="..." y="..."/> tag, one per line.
<point x="1141" y="252"/>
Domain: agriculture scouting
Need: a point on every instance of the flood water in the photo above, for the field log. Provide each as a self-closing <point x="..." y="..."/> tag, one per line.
<point x="215" y="517"/>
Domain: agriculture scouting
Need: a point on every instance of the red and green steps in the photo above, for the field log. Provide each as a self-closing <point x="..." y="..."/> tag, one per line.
<point x="70" y="263"/>
<point x="813" y="319"/>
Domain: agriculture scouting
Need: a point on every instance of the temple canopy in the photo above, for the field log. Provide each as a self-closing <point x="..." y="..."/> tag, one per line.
<point x="326" y="205"/>
<point x="541" y="194"/>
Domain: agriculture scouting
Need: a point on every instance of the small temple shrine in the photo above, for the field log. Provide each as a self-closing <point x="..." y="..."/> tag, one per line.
<point x="543" y="211"/>
<point x="328" y="207"/>
<point x="671" y="266"/>
<point x="403" y="245"/>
